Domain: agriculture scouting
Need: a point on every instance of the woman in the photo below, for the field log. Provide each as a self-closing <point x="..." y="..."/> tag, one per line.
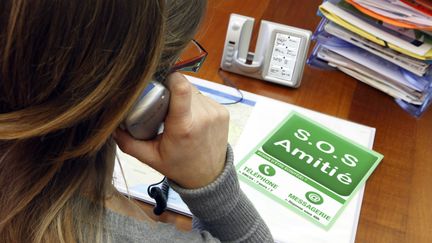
<point x="69" y="73"/>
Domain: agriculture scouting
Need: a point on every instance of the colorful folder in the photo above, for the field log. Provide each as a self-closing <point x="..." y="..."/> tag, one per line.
<point x="421" y="48"/>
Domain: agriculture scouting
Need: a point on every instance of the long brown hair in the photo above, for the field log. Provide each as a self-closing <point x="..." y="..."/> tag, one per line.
<point x="69" y="72"/>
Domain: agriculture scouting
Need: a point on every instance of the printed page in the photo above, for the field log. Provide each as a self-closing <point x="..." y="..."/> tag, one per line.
<point x="286" y="225"/>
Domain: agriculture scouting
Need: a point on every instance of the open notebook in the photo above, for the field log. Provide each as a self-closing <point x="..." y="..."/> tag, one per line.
<point x="251" y="120"/>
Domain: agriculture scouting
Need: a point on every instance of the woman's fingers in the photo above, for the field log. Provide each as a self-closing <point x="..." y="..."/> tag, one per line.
<point x="191" y="150"/>
<point x="145" y="151"/>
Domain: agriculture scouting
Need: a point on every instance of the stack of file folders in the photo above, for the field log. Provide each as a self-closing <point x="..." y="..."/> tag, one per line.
<point x="386" y="44"/>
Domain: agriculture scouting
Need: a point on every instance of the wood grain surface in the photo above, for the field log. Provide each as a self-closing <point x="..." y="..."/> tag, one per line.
<point x="397" y="200"/>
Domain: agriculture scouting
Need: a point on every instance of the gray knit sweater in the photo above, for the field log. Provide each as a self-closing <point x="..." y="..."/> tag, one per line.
<point x="222" y="213"/>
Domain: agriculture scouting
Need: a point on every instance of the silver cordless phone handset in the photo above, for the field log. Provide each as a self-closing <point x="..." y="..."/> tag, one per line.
<point x="144" y="122"/>
<point x="146" y="118"/>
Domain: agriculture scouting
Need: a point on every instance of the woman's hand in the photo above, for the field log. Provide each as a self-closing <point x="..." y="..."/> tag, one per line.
<point x="191" y="150"/>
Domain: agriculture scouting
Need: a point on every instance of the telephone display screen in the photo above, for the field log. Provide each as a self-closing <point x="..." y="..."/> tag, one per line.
<point x="284" y="56"/>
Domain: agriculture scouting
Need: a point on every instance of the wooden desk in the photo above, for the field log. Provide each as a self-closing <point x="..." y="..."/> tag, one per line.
<point x="397" y="202"/>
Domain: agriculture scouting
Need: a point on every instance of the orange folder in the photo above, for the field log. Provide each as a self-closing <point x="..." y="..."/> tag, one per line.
<point x="388" y="20"/>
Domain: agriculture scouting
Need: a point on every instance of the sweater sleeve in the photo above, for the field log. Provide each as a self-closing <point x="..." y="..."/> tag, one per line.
<point x="222" y="208"/>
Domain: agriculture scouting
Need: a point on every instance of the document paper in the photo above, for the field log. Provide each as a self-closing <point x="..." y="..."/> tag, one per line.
<point x="253" y="121"/>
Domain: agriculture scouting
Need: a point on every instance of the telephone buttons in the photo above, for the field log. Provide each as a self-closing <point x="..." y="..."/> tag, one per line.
<point x="230" y="50"/>
<point x="229" y="55"/>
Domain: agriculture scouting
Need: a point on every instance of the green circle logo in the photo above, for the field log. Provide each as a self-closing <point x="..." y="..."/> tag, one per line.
<point x="267" y="170"/>
<point x="314" y="198"/>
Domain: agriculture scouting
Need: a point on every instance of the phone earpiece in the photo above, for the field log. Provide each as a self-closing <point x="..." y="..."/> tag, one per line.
<point x="145" y="120"/>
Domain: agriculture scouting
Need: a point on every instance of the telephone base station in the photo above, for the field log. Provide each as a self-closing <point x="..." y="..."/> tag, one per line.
<point x="280" y="53"/>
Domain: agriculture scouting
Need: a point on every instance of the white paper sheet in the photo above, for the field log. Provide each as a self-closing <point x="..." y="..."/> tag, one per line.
<point x="285" y="225"/>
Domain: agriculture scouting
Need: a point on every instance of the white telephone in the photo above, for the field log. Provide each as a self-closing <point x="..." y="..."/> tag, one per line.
<point x="280" y="53"/>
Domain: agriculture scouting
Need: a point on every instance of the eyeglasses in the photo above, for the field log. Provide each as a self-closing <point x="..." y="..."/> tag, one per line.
<point x="191" y="59"/>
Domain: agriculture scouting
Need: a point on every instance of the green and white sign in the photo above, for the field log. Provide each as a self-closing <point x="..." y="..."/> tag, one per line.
<point x="308" y="168"/>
